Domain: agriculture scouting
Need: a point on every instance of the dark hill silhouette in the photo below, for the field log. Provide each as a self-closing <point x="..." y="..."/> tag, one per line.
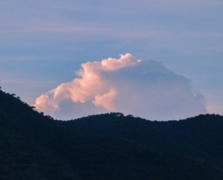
<point x="37" y="147"/>
<point x="200" y="137"/>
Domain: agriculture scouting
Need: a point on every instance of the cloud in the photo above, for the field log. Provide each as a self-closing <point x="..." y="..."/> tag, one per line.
<point x="142" y="88"/>
<point x="43" y="103"/>
<point x="214" y="109"/>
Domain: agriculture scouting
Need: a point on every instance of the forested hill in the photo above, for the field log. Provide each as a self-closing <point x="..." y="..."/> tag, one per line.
<point x="36" y="147"/>
<point x="200" y="137"/>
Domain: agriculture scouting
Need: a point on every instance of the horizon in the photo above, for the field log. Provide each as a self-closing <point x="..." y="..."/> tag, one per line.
<point x="107" y="113"/>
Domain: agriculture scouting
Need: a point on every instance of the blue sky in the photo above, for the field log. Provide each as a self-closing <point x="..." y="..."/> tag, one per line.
<point x="44" y="42"/>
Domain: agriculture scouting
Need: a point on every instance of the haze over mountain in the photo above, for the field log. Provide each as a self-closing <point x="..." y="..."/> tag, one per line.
<point x="142" y="88"/>
<point x="108" y="146"/>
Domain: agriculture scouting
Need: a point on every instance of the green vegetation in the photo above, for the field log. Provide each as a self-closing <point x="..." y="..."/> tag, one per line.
<point x="106" y="147"/>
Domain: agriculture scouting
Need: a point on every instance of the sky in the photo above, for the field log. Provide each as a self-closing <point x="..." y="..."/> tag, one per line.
<point x="44" y="44"/>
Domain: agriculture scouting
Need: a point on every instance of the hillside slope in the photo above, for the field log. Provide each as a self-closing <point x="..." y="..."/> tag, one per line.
<point x="199" y="137"/>
<point x="36" y="147"/>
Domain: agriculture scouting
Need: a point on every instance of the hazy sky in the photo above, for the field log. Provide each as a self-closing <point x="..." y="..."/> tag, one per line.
<point x="43" y="43"/>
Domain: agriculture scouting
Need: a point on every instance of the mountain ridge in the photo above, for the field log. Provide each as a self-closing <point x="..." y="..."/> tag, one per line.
<point x="34" y="146"/>
<point x="202" y="133"/>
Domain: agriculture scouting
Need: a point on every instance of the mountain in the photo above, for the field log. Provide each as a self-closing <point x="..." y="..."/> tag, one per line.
<point x="199" y="137"/>
<point x="37" y="147"/>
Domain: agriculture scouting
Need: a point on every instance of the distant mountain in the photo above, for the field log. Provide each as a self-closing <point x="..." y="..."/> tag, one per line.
<point x="109" y="146"/>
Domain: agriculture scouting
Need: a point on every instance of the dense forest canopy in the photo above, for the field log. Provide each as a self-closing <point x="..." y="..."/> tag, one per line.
<point x="107" y="146"/>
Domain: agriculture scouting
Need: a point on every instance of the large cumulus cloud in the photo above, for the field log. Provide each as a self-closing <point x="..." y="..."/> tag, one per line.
<point x="128" y="85"/>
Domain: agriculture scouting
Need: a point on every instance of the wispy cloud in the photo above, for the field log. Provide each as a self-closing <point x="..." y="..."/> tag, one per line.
<point x="8" y="58"/>
<point x="37" y="83"/>
<point x="121" y="6"/>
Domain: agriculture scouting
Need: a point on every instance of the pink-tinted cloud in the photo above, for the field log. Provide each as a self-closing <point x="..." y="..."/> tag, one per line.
<point x="43" y="103"/>
<point x="128" y="85"/>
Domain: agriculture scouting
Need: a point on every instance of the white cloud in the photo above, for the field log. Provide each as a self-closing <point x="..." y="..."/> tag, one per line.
<point x="43" y="103"/>
<point x="128" y="85"/>
<point x="214" y="109"/>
